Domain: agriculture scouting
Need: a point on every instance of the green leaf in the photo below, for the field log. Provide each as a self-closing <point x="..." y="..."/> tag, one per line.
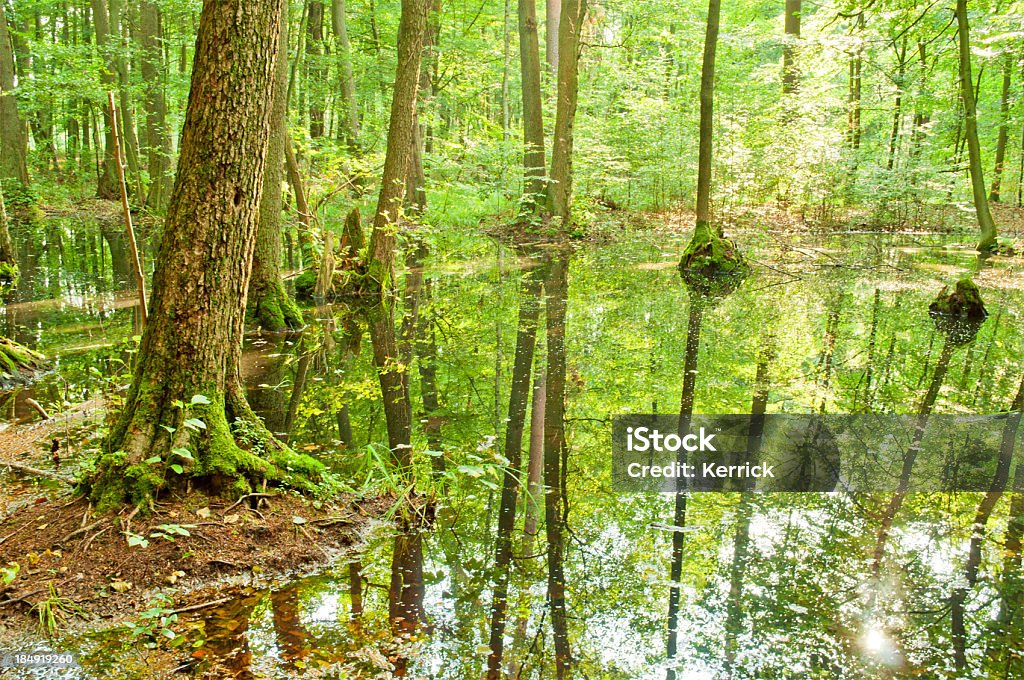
<point x="195" y="424"/>
<point x="152" y="460"/>
<point x="199" y="399"/>
<point x="183" y="453"/>
<point x="177" y="468"/>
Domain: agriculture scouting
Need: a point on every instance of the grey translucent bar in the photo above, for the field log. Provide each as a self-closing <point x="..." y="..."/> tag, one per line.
<point x="816" y="453"/>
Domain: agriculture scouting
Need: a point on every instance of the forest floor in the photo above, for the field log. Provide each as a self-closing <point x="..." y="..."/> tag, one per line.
<point x="81" y="566"/>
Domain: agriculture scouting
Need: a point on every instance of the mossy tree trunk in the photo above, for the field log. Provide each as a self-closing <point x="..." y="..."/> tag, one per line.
<point x="13" y="142"/>
<point x="985" y="221"/>
<point x="269" y="304"/>
<point x="192" y="344"/>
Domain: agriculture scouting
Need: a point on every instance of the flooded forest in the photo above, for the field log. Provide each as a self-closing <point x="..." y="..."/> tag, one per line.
<point x="322" y="323"/>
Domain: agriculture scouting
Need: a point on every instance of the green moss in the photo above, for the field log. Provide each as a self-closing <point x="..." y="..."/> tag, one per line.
<point x="18" y="364"/>
<point x="275" y="311"/>
<point x="234" y="457"/>
<point x="711" y="264"/>
<point x="959" y="314"/>
<point x="305" y="283"/>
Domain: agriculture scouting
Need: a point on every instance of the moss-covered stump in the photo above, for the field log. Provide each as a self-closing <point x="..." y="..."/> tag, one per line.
<point x="273" y="310"/>
<point x="217" y="445"/>
<point x="959" y="314"/>
<point x="712" y="265"/>
<point x="18" y="365"/>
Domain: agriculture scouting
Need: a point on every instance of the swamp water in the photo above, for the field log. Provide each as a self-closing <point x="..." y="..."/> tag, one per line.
<point x="774" y="585"/>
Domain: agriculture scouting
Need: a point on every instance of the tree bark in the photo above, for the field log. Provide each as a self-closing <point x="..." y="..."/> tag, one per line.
<point x="707" y="123"/>
<point x="560" y="189"/>
<point x="381" y="256"/>
<point x="533" y="116"/>
<point x="13" y="142"/>
<point x="200" y="283"/>
<point x="897" y="113"/>
<point x="1004" y="114"/>
<point x="158" y="138"/>
<point x="268" y="303"/>
<point x="985" y="221"/>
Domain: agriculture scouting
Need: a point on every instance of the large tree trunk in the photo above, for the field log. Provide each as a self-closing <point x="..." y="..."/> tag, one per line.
<point x="533" y="116"/>
<point x="985" y="221"/>
<point x="381" y="256"/>
<point x="158" y="139"/>
<point x="707" y="122"/>
<point x="107" y="184"/>
<point x="560" y="189"/>
<point x="192" y="344"/>
<point x="339" y="25"/>
<point x="13" y="143"/>
<point x="268" y="303"/>
<point x="8" y="260"/>
<point x="790" y="72"/>
<point x="1004" y="114"/>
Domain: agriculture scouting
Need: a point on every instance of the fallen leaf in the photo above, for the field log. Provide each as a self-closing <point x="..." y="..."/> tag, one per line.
<point x="203" y="513"/>
<point x="121" y="586"/>
<point x="230" y="519"/>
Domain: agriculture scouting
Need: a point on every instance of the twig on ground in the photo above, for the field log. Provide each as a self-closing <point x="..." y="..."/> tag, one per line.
<point x="201" y="605"/>
<point x="244" y="498"/>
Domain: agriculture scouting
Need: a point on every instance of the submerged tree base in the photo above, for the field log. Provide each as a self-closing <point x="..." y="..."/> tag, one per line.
<point x="712" y="265"/>
<point x="274" y="310"/>
<point x="217" y="445"/>
<point x="960" y="313"/>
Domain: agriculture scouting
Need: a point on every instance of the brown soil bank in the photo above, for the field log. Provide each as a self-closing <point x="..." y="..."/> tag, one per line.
<point x="113" y="564"/>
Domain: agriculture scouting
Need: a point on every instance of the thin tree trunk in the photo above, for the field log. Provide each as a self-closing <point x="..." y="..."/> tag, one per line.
<point x="350" y="116"/>
<point x="381" y="256"/>
<point x="981" y="517"/>
<point x="158" y="138"/>
<point x="13" y="142"/>
<point x="553" y="11"/>
<point x="314" y="67"/>
<point x="533" y="117"/>
<point x="790" y="71"/>
<point x="107" y="185"/>
<point x="1004" y="114"/>
<point x="268" y="301"/>
<point x="707" y="122"/>
<point x="985" y="221"/>
<point x="519" y="397"/>
<point x="854" y="107"/>
<point x="897" y="114"/>
<point x="555" y="504"/>
<point x="560" y="188"/>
